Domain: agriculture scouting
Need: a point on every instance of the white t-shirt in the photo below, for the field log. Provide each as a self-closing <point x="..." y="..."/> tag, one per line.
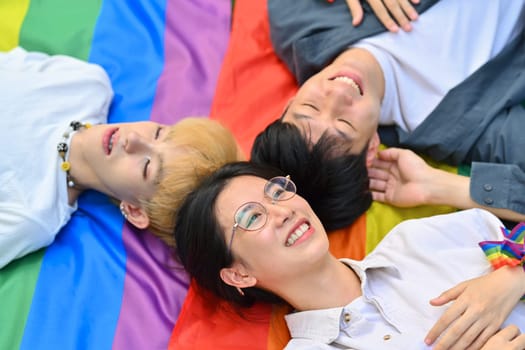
<point x="448" y="42"/>
<point x="39" y="96"/>
<point x="418" y="260"/>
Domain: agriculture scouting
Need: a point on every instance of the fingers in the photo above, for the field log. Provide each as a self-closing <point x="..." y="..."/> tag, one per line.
<point x="485" y="335"/>
<point x="403" y="13"/>
<point x="392" y="13"/>
<point x="510" y="332"/>
<point x="462" y="338"/>
<point x="508" y="338"/>
<point x="383" y="15"/>
<point x="448" y="295"/>
<point x="356" y="10"/>
<point x="379" y="196"/>
<point x="390" y="154"/>
<point x="448" y="317"/>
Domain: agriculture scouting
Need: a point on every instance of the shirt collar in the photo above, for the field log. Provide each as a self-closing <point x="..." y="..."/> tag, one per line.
<point x="318" y="325"/>
<point x="323" y="325"/>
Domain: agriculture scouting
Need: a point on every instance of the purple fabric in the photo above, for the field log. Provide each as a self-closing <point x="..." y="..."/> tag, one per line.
<point x="154" y="290"/>
<point x="196" y="38"/>
<point x="155" y="287"/>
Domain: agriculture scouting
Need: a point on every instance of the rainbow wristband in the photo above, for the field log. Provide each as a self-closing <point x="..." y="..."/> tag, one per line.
<point x="508" y="252"/>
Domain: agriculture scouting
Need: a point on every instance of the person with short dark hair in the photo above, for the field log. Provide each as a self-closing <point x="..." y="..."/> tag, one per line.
<point x="451" y="88"/>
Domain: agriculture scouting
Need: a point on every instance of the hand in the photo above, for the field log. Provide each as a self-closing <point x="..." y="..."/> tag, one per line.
<point x="400" y="177"/>
<point x="389" y="12"/>
<point x="509" y="338"/>
<point x="480" y="306"/>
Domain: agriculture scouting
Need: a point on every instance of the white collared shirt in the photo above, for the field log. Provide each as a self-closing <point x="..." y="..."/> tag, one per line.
<point x="414" y="263"/>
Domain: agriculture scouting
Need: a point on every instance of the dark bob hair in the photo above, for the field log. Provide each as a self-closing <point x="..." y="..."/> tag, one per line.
<point x="334" y="182"/>
<point x="201" y="245"/>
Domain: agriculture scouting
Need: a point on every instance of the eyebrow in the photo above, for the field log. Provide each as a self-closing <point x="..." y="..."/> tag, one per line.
<point x="299" y="116"/>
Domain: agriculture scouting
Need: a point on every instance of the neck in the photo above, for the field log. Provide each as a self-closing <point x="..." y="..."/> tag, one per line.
<point x="333" y="284"/>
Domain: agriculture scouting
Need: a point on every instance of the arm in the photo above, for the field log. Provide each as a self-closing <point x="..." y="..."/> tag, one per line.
<point x="402" y="178"/>
<point x="479" y="308"/>
<point x="390" y="13"/>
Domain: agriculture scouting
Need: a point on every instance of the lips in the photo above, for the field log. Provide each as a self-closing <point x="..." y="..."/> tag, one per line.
<point x="299" y="231"/>
<point x="109" y="139"/>
<point x="351" y="80"/>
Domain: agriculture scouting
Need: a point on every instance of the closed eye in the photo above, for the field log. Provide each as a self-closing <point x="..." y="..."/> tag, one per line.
<point x="347" y="123"/>
<point x="157" y="133"/>
<point x="145" y="170"/>
<point x="311" y="106"/>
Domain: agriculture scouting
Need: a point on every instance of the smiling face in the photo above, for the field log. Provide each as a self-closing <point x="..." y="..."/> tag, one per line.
<point x="344" y="99"/>
<point x="291" y="238"/>
<point x="122" y="160"/>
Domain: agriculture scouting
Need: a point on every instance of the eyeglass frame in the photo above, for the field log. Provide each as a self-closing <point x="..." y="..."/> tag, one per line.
<point x="273" y="200"/>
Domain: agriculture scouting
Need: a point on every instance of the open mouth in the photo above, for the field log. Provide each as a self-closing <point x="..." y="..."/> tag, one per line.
<point x="110" y="138"/>
<point x="297" y="233"/>
<point x="350" y="81"/>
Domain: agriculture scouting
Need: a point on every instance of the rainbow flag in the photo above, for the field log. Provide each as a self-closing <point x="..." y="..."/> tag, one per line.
<point x="102" y="285"/>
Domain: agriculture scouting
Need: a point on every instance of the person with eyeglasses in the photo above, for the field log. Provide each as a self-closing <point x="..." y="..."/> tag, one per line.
<point x="56" y="143"/>
<point x="452" y="89"/>
<point x="245" y="235"/>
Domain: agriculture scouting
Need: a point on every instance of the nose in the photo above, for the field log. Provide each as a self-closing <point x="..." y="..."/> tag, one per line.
<point x="337" y="98"/>
<point x="279" y="213"/>
<point x="135" y="143"/>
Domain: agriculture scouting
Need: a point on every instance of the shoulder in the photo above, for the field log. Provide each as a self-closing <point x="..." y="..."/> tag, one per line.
<point x="467" y="227"/>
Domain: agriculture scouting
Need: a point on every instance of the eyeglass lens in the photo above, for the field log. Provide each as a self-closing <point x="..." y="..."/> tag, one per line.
<point x="252" y="215"/>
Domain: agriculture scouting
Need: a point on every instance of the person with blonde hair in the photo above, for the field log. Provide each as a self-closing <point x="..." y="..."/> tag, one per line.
<point x="56" y="144"/>
<point x="206" y="146"/>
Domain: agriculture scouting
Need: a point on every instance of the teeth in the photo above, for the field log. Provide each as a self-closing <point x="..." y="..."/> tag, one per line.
<point x="350" y="82"/>
<point x="297" y="234"/>
<point x="110" y="146"/>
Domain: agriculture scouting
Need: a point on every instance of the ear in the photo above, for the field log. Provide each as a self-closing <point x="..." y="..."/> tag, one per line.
<point x="135" y="214"/>
<point x="236" y="276"/>
<point x="373" y="148"/>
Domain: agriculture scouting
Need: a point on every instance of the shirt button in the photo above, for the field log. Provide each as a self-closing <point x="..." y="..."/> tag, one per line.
<point x="347" y="317"/>
<point x="387" y="337"/>
<point x="487" y="187"/>
<point x="488" y="201"/>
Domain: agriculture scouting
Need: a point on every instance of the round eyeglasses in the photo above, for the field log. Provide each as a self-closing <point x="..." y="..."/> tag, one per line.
<point x="252" y="216"/>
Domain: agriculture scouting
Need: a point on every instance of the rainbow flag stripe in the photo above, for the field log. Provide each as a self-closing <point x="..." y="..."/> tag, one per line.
<point x="101" y="284"/>
<point x="509" y="251"/>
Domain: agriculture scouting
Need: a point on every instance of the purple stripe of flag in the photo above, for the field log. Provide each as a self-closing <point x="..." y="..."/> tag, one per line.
<point x="195" y="41"/>
<point x="196" y="38"/>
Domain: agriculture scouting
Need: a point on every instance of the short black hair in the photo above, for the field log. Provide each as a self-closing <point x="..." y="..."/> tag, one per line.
<point x="201" y="245"/>
<point x="332" y="180"/>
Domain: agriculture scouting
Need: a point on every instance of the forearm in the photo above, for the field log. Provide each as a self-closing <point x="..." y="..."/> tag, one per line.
<point x="454" y="190"/>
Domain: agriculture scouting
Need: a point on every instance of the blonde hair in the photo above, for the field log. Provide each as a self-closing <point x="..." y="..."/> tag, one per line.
<point x="206" y="145"/>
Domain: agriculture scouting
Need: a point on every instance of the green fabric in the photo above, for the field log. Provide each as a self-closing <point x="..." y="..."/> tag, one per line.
<point x="464" y="170"/>
<point x="17" y="286"/>
<point x="59" y="26"/>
